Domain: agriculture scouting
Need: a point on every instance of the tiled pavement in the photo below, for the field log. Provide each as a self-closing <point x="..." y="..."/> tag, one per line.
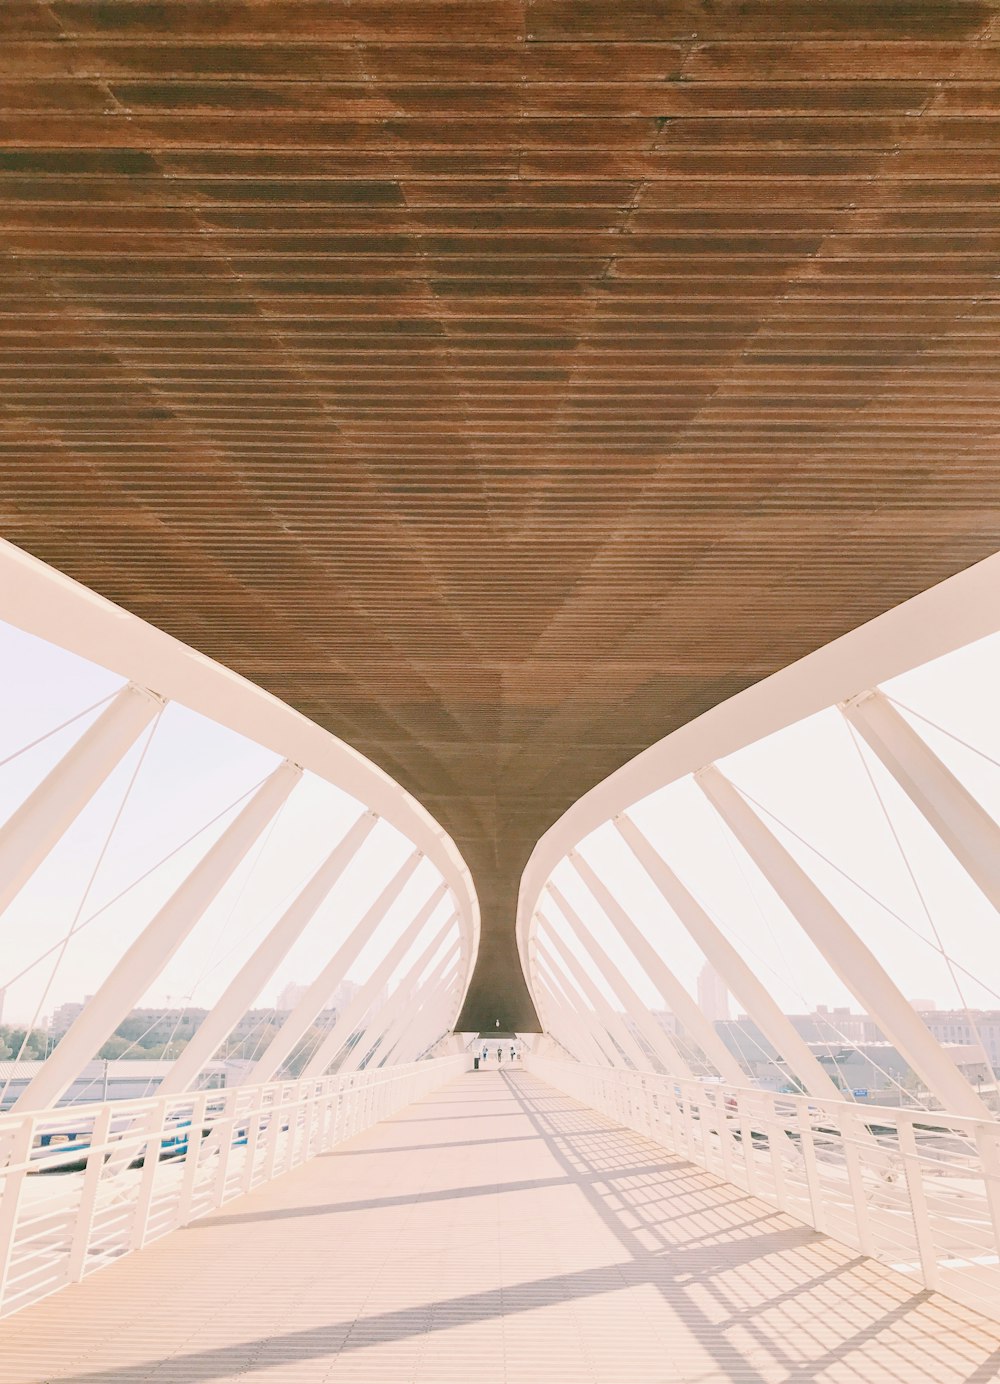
<point x="497" y="1231"/>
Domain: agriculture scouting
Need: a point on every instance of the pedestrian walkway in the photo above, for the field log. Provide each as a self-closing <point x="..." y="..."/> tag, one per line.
<point x="498" y="1232"/>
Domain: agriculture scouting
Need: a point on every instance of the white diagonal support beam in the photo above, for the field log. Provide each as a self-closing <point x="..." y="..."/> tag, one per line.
<point x="656" y="1037"/>
<point x="143" y="961"/>
<point x="405" y="1014"/>
<point x="335" y="970"/>
<point x="726" y="960"/>
<point x="575" y="1003"/>
<point x="679" y="1002"/>
<point x="837" y="941"/>
<point x="404" y="992"/>
<point x="613" y="1023"/>
<point x="966" y="828"/>
<point x="363" y="1000"/>
<point x="223" y="1017"/>
<point x="558" y="1019"/>
<point x="32" y="831"/>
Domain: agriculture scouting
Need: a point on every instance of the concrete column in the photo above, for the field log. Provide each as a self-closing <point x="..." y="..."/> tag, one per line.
<point x="223" y="1017"/>
<point x="690" y="1014"/>
<point x="966" y="828"/>
<point x="143" y="961"/>
<point x="28" y="836"/>
<point x="848" y="956"/>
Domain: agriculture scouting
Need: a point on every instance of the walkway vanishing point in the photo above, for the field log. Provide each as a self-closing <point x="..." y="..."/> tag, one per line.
<point x="501" y="1233"/>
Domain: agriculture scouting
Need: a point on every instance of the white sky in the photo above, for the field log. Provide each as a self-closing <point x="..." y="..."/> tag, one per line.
<point x="813" y="778"/>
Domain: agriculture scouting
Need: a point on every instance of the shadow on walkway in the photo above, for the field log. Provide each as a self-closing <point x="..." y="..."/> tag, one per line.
<point x="762" y="1297"/>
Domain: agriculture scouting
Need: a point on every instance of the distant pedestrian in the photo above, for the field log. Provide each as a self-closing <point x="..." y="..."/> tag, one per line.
<point x="499" y="1056"/>
<point x="485" y="1054"/>
<point x="513" y="1054"/>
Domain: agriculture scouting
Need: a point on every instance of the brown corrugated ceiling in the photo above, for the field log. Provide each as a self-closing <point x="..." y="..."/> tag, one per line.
<point x="501" y="382"/>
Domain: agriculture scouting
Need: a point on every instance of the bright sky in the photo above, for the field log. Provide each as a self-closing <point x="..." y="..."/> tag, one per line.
<point x="853" y="830"/>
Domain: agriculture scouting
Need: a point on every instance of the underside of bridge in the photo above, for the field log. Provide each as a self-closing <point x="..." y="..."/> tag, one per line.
<point x="500" y="382"/>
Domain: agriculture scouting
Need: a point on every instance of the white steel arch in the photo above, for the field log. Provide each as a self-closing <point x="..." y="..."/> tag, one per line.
<point x="160" y="670"/>
<point x="870" y="1178"/>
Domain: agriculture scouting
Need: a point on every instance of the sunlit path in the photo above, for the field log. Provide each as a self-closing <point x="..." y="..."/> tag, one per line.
<point x="497" y="1231"/>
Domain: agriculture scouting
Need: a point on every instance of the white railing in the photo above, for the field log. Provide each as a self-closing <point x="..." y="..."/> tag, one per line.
<point x="917" y="1190"/>
<point x="83" y="1185"/>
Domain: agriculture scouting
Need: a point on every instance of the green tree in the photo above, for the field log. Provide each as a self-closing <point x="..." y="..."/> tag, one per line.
<point x="13" y="1038"/>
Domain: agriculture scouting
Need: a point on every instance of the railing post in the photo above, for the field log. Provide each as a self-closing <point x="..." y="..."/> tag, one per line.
<point x="189" y="1176"/>
<point x="18" y="1156"/>
<point x="148" y="1175"/>
<point x="987" y="1137"/>
<point x="225" y="1129"/>
<point x="807" y="1143"/>
<point x="918" y="1202"/>
<point x="97" y="1154"/>
<point x="255" y="1118"/>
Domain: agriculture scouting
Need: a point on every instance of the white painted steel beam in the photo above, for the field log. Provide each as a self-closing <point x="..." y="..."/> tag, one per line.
<point x="247" y="984"/>
<point x="958" y="611"/>
<point x="406" y="1013"/>
<point x="32" y="831"/>
<point x="847" y="955"/>
<point x="613" y="1023"/>
<point x="679" y="1002"/>
<point x="567" y="1029"/>
<point x="363" y="1000"/>
<point x="726" y="960"/>
<point x="576" y="1004"/>
<point x="558" y="1019"/>
<point x="966" y="828"/>
<point x="143" y="961"/>
<point x="409" y="992"/>
<point x="323" y="986"/>
<point x="47" y="603"/>
<point x="657" y="1039"/>
<point x="430" y="1023"/>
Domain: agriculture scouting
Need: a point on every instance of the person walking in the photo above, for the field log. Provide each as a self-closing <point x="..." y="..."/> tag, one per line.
<point x="513" y="1054"/>
<point x="499" y="1056"/>
<point x="486" y="1053"/>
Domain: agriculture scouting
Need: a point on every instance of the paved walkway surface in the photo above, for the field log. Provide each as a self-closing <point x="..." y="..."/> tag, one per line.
<point x="497" y="1232"/>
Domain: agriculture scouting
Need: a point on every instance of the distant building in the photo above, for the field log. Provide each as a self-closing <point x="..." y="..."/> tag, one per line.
<point x="64" y="1015"/>
<point x="290" y="996"/>
<point x="713" y="997"/>
<point x="967" y="1026"/>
